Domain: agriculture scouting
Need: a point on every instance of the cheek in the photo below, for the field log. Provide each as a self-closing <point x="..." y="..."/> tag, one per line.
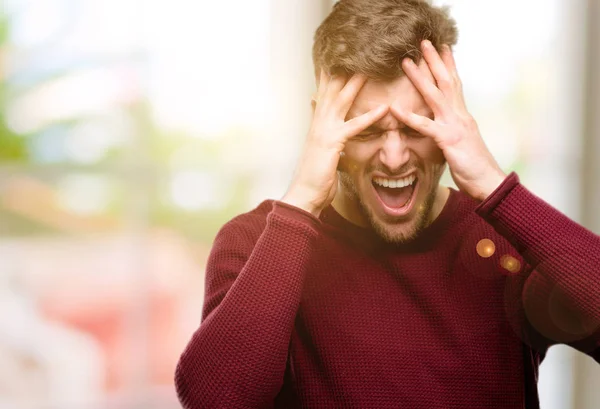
<point x="348" y="165"/>
<point x="357" y="157"/>
<point x="438" y="157"/>
<point x="428" y="150"/>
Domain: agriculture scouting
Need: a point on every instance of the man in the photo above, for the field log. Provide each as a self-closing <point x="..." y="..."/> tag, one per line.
<point x="369" y="285"/>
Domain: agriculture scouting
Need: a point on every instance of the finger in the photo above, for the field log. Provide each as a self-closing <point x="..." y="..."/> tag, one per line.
<point x="335" y="85"/>
<point x="431" y="94"/>
<point x="323" y="80"/>
<point x="438" y="68"/>
<point x="448" y="58"/>
<point x="360" y="123"/>
<point x="350" y="92"/>
<point x="424" y="68"/>
<point x="419" y="123"/>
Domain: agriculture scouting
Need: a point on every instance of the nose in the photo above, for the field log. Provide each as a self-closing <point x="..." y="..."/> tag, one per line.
<point x="394" y="153"/>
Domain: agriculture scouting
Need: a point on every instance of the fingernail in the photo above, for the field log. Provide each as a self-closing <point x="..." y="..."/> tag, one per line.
<point x="427" y="44"/>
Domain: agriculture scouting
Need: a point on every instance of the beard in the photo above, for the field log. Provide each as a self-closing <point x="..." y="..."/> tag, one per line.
<point x="390" y="232"/>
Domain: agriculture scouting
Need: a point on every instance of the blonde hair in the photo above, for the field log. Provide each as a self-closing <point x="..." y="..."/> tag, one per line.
<point x="372" y="37"/>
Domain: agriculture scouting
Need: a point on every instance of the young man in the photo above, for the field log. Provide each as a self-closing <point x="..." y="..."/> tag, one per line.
<point x="369" y="285"/>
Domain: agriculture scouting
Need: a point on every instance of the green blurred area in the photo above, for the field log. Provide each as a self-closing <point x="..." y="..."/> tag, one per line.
<point x="12" y="147"/>
<point x="141" y="167"/>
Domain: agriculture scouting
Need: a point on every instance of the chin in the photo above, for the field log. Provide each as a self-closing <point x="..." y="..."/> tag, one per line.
<point x="394" y="234"/>
<point x="395" y="227"/>
<point x="403" y="231"/>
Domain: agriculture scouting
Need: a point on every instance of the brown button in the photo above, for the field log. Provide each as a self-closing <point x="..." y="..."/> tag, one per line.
<point x="510" y="263"/>
<point x="486" y="248"/>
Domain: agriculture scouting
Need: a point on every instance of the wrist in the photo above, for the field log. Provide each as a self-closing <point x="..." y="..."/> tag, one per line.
<point x="491" y="183"/>
<point x="298" y="200"/>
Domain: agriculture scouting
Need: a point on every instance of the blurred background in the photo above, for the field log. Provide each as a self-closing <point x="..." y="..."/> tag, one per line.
<point x="131" y="130"/>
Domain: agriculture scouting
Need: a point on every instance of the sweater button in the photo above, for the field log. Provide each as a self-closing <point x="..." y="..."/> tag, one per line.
<point x="510" y="263"/>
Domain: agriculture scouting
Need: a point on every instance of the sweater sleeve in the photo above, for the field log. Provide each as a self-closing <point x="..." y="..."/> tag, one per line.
<point x="561" y="294"/>
<point x="237" y="357"/>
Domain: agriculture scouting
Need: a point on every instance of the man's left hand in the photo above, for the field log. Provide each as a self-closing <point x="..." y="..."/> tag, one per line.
<point x="472" y="166"/>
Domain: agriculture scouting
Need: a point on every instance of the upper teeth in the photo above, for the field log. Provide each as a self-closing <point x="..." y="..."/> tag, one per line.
<point x="396" y="183"/>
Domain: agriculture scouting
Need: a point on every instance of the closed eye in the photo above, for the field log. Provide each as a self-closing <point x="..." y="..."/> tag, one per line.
<point x="367" y="136"/>
<point x="412" y="132"/>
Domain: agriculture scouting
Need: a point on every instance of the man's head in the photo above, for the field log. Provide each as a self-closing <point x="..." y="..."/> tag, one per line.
<point x="372" y="37"/>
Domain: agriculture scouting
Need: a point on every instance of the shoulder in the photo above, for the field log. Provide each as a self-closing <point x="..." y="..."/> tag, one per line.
<point x="460" y="216"/>
<point x="246" y="226"/>
<point x="465" y="213"/>
<point x="470" y="223"/>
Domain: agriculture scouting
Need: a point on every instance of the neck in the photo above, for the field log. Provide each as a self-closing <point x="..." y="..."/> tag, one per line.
<point x="441" y="197"/>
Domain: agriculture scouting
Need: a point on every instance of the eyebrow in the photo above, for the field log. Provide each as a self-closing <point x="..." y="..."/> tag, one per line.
<point x="372" y="129"/>
<point x="377" y="128"/>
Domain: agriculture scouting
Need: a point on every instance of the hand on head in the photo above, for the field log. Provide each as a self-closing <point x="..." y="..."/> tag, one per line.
<point x="473" y="168"/>
<point x="315" y="180"/>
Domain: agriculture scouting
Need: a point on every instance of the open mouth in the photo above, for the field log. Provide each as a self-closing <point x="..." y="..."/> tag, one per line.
<point x="396" y="195"/>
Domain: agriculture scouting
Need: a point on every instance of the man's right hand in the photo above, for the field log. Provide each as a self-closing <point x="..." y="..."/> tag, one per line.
<point x="314" y="183"/>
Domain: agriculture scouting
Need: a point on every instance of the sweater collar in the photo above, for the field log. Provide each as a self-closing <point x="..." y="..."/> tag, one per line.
<point x="366" y="237"/>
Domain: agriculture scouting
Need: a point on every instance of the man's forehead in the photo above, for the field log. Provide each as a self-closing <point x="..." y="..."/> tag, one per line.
<point x="400" y="91"/>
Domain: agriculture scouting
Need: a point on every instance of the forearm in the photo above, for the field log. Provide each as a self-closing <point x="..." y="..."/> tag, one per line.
<point x="237" y="358"/>
<point x="564" y="252"/>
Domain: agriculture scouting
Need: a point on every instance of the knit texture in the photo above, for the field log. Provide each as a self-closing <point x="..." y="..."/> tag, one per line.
<point x="305" y="312"/>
